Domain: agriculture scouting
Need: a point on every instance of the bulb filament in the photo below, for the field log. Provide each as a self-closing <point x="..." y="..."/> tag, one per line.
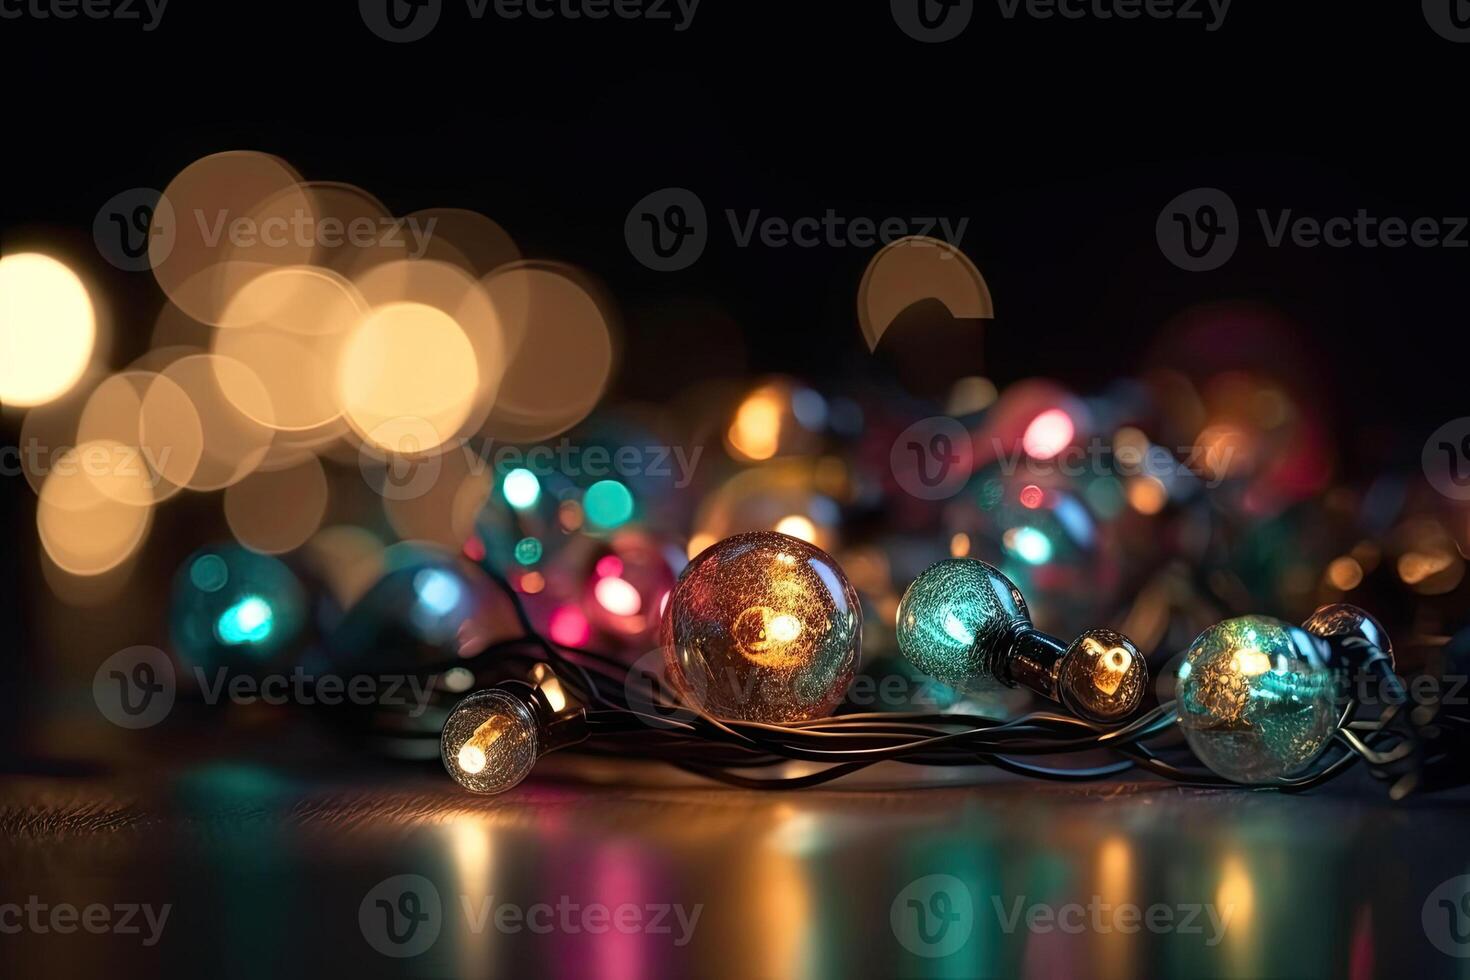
<point x="473" y="752"/>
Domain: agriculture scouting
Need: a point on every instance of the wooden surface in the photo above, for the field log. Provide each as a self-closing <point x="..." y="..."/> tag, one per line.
<point x="266" y="861"/>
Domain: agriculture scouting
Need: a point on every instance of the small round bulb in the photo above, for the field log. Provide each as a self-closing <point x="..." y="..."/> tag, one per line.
<point x="490" y="741"/>
<point x="1257" y="700"/>
<point x="763" y="627"/>
<point x="965" y="623"/>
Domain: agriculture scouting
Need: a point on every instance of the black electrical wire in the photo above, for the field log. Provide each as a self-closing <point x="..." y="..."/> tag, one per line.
<point x="626" y="716"/>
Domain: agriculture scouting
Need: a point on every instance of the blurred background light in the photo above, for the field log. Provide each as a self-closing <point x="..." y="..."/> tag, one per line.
<point x="48" y="329"/>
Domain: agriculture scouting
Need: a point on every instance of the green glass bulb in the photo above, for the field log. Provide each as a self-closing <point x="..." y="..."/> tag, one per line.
<point x="953" y="617"/>
<point x="1257" y="700"/>
<point x="966" y="624"/>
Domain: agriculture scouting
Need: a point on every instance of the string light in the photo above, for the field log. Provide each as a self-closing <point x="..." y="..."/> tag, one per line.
<point x="763" y="627"/>
<point x="492" y="738"/>
<point x="1260" y="699"/>
<point x="964" y="623"/>
<point x="1256" y="700"/>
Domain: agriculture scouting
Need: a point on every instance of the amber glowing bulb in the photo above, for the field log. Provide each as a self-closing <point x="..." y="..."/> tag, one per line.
<point x="492" y="738"/>
<point x="763" y="627"/>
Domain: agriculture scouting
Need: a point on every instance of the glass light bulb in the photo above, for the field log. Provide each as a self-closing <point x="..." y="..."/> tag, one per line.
<point x="489" y="742"/>
<point x="966" y="624"/>
<point x="1257" y="701"/>
<point x="763" y="627"/>
<point x="953" y="620"/>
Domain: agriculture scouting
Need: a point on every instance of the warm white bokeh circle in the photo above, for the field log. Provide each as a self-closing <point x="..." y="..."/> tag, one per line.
<point x="48" y="328"/>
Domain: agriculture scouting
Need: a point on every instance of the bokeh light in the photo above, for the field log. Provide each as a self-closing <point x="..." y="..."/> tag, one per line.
<point x="48" y="329"/>
<point x="408" y="378"/>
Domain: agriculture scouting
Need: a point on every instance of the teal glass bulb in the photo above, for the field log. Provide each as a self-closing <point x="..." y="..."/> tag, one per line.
<point x="1257" y="699"/>
<point x="952" y="615"/>
<point x="966" y="624"/>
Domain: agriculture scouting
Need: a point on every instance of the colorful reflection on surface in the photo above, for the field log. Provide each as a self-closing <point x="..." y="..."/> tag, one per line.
<point x="648" y="880"/>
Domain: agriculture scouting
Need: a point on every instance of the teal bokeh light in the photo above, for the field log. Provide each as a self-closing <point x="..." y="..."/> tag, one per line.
<point x="209" y="573"/>
<point x="608" y="504"/>
<point x="248" y="621"/>
<point x="528" y="551"/>
<point x="230" y="607"/>
<point x="521" y="488"/>
<point x="1031" y="545"/>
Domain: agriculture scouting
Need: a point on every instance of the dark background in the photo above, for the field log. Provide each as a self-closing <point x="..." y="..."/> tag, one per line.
<point x="1060" y="140"/>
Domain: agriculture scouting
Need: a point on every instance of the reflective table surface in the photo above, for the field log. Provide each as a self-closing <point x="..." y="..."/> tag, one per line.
<point x="315" y="863"/>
